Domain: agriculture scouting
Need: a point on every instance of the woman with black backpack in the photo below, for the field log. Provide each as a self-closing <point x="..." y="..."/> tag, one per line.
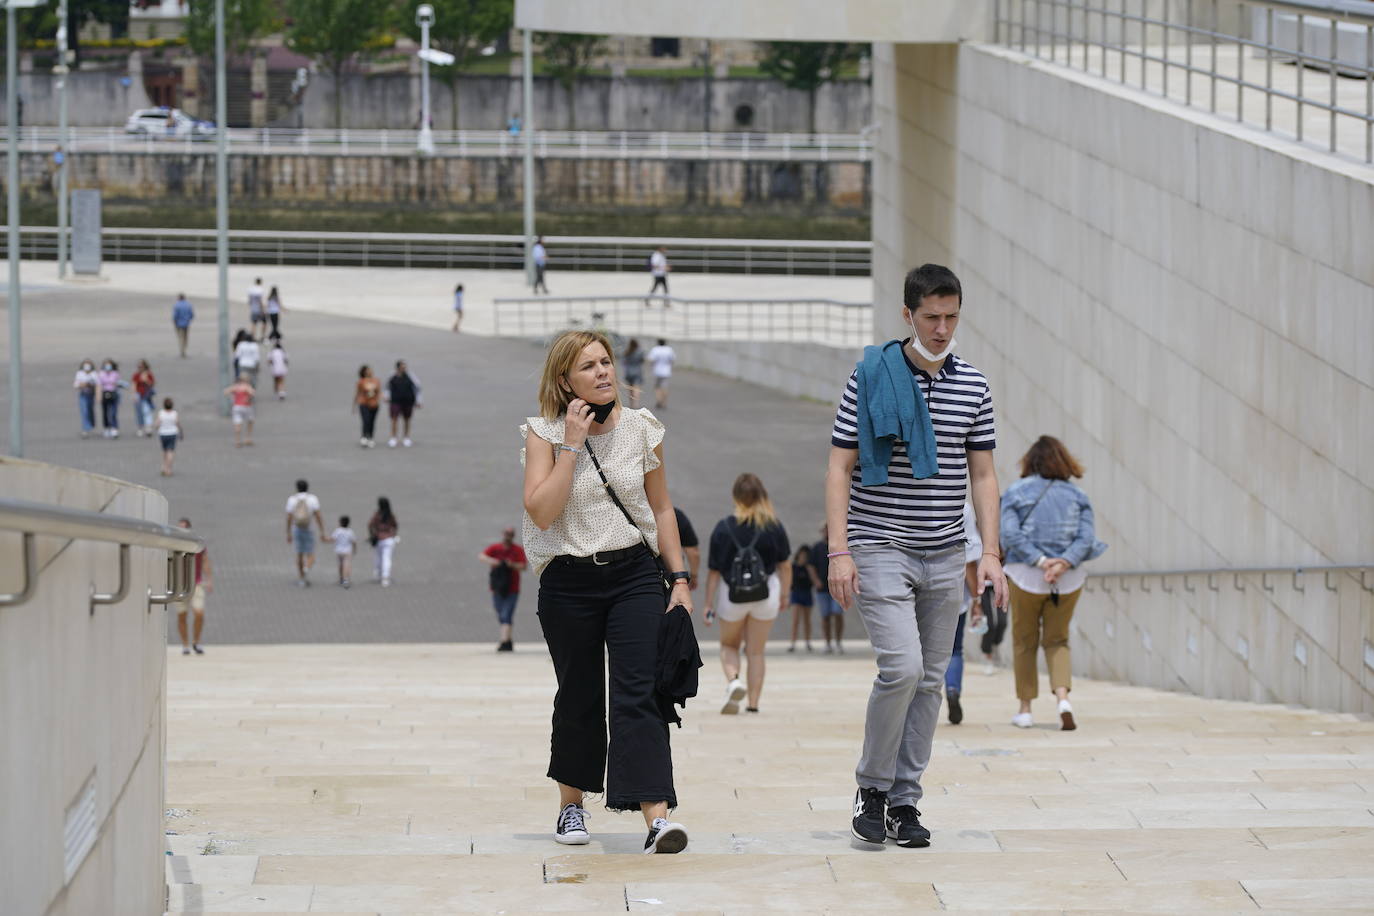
<point x="748" y="584"/>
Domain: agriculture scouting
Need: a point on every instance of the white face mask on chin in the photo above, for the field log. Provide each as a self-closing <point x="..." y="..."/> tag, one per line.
<point x="926" y="354"/>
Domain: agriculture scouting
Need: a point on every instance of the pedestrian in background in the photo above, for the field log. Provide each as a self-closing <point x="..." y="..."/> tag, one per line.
<point x="110" y="386"/>
<point x="241" y="395"/>
<point x="662" y="357"/>
<point x="540" y="256"/>
<point x="144" y="391"/>
<point x="182" y="316"/>
<point x="367" y="397"/>
<point x="382" y="532"/>
<point x="257" y="314"/>
<point x="279" y="363"/>
<point x="658" y="269"/>
<point x="195" y="604"/>
<point x="403" y="396"/>
<point x="168" y="431"/>
<point x="1047" y="527"/>
<point x="274" y="310"/>
<point x="748" y="583"/>
<point x="632" y="370"/>
<point x="831" y="614"/>
<point x="803" y="588"/>
<point x="457" y="307"/>
<point x="86" y="383"/>
<point x="691" y="546"/>
<point x="507" y="560"/>
<point x="973" y="610"/>
<point x="247" y="357"/>
<point x="302" y="508"/>
<point x="345" y="546"/>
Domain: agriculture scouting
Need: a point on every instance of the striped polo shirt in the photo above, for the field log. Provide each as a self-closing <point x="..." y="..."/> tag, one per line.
<point x="925" y="514"/>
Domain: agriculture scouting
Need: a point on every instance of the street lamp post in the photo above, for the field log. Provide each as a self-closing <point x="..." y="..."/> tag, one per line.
<point x="527" y="130"/>
<point x="62" y="69"/>
<point x="222" y="202"/>
<point x="16" y="377"/>
<point x="424" y="18"/>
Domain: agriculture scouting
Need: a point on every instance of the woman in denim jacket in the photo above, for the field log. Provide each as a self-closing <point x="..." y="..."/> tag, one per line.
<point x="1047" y="532"/>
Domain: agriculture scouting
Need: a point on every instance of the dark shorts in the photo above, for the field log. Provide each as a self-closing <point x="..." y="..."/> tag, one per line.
<point x="401" y="410"/>
<point x="802" y="598"/>
<point x="827" y="605"/>
<point x="505" y="606"/>
<point x="169" y="443"/>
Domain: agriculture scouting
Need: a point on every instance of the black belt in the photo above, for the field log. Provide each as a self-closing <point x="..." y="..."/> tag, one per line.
<point x="603" y="557"/>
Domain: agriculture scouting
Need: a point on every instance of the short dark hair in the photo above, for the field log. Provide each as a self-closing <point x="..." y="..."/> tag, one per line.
<point x="343" y="521"/>
<point x="930" y="280"/>
<point x="184" y="519"/>
<point x="662" y="342"/>
<point x="166" y="403"/>
<point x="302" y="486"/>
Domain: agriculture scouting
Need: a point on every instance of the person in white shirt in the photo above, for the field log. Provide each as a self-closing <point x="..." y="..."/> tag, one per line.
<point x="279" y="364"/>
<point x="457" y="307"/>
<point x="540" y="255"/>
<point x="658" y="269"/>
<point x="247" y="356"/>
<point x="169" y="431"/>
<point x="86" y="383"/>
<point x="345" y="546"/>
<point x="257" y="312"/>
<point x="302" y="508"/>
<point x="661" y="358"/>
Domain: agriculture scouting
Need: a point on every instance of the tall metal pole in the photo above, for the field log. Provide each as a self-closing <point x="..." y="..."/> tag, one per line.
<point x="222" y="202"/>
<point x="426" y="145"/>
<point x="527" y="131"/>
<point x="62" y="144"/>
<point x="12" y="253"/>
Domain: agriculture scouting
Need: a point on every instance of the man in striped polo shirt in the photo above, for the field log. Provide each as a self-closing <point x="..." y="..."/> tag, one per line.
<point x="897" y="547"/>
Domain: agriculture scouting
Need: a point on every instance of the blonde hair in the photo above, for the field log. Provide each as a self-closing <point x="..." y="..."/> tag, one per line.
<point x="752" y="505"/>
<point x="554" y="397"/>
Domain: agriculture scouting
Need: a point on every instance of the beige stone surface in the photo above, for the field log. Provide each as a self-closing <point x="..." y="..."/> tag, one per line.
<point x="380" y="779"/>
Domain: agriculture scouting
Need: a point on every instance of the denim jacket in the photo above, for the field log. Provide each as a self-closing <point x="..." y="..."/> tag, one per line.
<point x="1059" y="525"/>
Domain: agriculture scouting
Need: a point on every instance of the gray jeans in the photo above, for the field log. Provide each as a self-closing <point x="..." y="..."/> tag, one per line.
<point x="909" y="601"/>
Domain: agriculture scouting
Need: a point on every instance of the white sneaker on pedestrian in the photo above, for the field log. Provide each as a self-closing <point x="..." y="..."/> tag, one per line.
<point x="406" y="442"/>
<point x="734" y="692"/>
<point x="1066" y="722"/>
<point x="386" y="583"/>
<point x="363" y="442"/>
<point x="571" y="829"/>
<point x="371" y="443"/>
<point x="989" y="669"/>
<point x="391" y="443"/>
<point x="1022" y="720"/>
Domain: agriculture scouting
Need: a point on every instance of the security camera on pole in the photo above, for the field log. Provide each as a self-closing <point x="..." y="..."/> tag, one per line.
<point x="424" y="18"/>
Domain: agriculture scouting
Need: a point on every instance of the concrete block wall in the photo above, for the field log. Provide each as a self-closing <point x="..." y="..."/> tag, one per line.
<point x="81" y="695"/>
<point x="1188" y="304"/>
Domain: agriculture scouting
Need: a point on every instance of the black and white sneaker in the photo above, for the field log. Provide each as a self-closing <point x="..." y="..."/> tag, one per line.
<point x="665" y="836"/>
<point x="904" y="826"/>
<point x="572" y="826"/>
<point x="867" y="825"/>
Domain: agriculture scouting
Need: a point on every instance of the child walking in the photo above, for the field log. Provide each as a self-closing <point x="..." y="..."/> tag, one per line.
<point x="169" y="431"/>
<point x="345" y="545"/>
<point x="279" y="364"/>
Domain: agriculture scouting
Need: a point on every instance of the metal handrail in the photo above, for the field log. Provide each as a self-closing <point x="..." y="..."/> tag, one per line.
<point x="1034" y="27"/>
<point x="33" y="520"/>
<point x="1212" y="573"/>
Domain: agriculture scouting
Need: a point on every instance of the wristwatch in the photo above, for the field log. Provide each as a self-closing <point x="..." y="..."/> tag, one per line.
<point x="676" y="577"/>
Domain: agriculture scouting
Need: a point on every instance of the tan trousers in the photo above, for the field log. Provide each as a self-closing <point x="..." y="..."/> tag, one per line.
<point x="1037" y="621"/>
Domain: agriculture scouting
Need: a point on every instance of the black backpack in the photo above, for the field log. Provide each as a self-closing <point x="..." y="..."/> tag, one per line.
<point x="747" y="578"/>
<point x="500" y="579"/>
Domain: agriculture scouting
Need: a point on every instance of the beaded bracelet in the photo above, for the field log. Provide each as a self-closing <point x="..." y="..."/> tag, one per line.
<point x="838" y="553"/>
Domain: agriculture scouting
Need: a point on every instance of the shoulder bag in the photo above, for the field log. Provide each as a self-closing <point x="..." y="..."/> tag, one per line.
<point x="610" y="491"/>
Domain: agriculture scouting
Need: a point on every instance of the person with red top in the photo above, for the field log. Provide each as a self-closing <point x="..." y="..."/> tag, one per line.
<point x="144" y="409"/>
<point x="205" y="583"/>
<point x="507" y="560"/>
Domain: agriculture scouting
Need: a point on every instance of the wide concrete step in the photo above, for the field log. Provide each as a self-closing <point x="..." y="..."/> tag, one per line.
<point x="410" y="779"/>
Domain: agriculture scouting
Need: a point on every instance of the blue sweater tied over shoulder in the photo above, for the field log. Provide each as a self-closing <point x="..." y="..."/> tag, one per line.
<point x="892" y="409"/>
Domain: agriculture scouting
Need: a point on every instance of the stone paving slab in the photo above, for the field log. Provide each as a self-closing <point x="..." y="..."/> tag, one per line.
<point x="409" y="779"/>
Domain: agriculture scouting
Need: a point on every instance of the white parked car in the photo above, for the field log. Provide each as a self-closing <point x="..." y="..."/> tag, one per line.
<point x="168" y="122"/>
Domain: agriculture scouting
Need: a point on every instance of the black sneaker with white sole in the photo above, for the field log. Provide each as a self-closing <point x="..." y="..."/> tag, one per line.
<point x="956" y="709"/>
<point x="904" y="826"/>
<point x="867" y="825"/>
<point x="572" y="826"/>
<point x="665" y="836"/>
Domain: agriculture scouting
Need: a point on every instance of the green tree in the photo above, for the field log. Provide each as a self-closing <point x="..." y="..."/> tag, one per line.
<point x="568" y="58"/>
<point x="245" y="21"/>
<point x="462" y="28"/>
<point x="333" y="32"/>
<point x="807" y="65"/>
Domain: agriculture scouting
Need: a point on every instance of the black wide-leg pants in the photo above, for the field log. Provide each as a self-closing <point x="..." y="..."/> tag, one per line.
<point x="586" y="611"/>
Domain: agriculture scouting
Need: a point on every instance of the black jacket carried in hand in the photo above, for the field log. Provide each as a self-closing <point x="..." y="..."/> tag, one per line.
<point x="678" y="661"/>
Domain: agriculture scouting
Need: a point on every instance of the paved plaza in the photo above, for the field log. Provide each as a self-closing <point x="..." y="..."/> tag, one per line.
<point x="410" y="779"/>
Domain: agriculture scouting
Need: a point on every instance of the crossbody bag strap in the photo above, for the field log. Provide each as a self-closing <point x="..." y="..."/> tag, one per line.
<point x="610" y="491"/>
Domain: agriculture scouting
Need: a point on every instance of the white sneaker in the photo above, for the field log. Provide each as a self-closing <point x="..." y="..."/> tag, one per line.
<point x="1022" y="720"/>
<point x="666" y="837"/>
<point x="1066" y="722"/>
<point x="371" y="443"/>
<point x="386" y="583"/>
<point x="989" y="669"/>
<point x="391" y="443"/>
<point x="363" y="442"/>
<point x="734" y="692"/>
<point x="406" y="442"/>
<point x="571" y="829"/>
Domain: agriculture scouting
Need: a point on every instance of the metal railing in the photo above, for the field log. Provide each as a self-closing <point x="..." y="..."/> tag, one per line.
<point x="34" y="520"/>
<point x="490" y="252"/>
<point x="1212" y="576"/>
<point x="582" y="144"/>
<point x="1195" y="52"/>
<point x="822" y="321"/>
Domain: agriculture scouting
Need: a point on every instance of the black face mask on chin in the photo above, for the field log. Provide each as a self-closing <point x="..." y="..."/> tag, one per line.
<point x="600" y="412"/>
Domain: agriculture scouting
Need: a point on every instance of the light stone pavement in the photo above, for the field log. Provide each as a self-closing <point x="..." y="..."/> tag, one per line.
<point x="452" y="492"/>
<point x="410" y="779"/>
